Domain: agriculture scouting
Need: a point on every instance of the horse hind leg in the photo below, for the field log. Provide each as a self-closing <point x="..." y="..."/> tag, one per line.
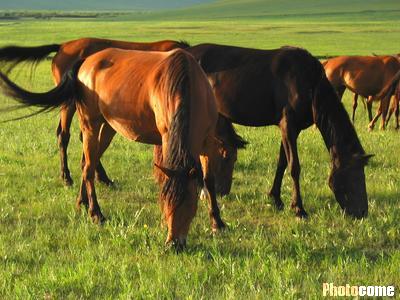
<point x="100" y="174"/>
<point x="275" y="192"/>
<point x="289" y="141"/>
<point x="63" y="136"/>
<point x="371" y="125"/>
<point x="91" y="149"/>
<point x="396" y="111"/>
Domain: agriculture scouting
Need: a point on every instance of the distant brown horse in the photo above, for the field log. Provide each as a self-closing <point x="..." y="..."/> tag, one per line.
<point x="66" y="55"/>
<point x="288" y="87"/>
<point x="366" y="76"/>
<point x="161" y="98"/>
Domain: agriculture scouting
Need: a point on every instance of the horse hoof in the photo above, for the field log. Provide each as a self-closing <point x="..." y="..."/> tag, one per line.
<point x="301" y="213"/>
<point x="277" y="202"/>
<point x="67" y="180"/>
<point x="176" y="246"/>
<point x="106" y="181"/>
<point x="98" y="219"/>
<point x="218" y="226"/>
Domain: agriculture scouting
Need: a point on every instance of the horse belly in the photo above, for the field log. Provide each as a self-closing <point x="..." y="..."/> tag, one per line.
<point x="136" y="131"/>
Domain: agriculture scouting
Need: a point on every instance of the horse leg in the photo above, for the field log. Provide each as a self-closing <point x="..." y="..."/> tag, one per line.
<point x="354" y="106"/>
<point x="392" y="108"/>
<point x="371" y="125"/>
<point x="275" y="192"/>
<point x="90" y="134"/>
<point x="385" y="107"/>
<point x="396" y="111"/>
<point x="107" y="134"/>
<point x="369" y="108"/>
<point x="289" y="141"/>
<point x="209" y="187"/>
<point x="340" y="91"/>
<point x="100" y="174"/>
<point x="63" y="136"/>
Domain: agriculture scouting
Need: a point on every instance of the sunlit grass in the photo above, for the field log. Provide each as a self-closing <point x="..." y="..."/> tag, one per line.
<point x="49" y="250"/>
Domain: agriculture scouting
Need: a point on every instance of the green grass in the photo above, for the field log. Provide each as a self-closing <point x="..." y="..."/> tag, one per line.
<point x="48" y="250"/>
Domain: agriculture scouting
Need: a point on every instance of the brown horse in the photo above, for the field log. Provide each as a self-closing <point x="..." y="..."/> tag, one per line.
<point x="288" y="87"/>
<point x="366" y="76"/>
<point x="66" y="55"/>
<point x="161" y="98"/>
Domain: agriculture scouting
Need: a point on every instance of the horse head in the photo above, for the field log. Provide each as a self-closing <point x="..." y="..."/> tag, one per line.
<point x="347" y="182"/>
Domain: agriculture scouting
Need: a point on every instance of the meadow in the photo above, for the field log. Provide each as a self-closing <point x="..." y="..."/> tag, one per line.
<point x="47" y="250"/>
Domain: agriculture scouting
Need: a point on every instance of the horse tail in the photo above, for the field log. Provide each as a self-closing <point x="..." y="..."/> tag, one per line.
<point x="11" y="56"/>
<point x="64" y="94"/>
<point x="178" y="154"/>
<point x="392" y="88"/>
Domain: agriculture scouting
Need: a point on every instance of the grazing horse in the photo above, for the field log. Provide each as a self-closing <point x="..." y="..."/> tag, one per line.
<point x="161" y="98"/>
<point x="288" y="87"/>
<point x="66" y="55"/>
<point x="366" y="76"/>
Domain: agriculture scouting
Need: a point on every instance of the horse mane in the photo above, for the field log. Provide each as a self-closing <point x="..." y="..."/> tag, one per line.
<point x="332" y="120"/>
<point x="185" y="44"/>
<point x="178" y="155"/>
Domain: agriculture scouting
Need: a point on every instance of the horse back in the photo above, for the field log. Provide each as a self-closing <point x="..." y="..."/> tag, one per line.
<point x="82" y="48"/>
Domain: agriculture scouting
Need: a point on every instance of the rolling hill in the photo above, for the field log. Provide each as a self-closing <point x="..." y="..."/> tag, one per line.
<point x="280" y="8"/>
<point x="80" y="5"/>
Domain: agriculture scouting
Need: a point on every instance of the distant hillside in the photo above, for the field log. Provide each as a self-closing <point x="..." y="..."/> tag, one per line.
<point x="270" y="8"/>
<point x="79" y="5"/>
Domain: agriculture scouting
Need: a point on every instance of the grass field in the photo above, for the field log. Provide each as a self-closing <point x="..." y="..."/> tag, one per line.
<point x="49" y="251"/>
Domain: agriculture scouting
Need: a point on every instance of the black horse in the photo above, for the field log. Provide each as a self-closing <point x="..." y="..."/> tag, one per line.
<point x="287" y="87"/>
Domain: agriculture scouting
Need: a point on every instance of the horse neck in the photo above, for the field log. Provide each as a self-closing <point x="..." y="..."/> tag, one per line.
<point x="334" y="123"/>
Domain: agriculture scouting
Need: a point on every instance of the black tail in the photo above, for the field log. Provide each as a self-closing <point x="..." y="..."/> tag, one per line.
<point x="11" y="56"/>
<point x="392" y="88"/>
<point x="64" y="94"/>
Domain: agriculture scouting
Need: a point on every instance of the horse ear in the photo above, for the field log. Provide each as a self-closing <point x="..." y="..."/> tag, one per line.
<point x="366" y="157"/>
<point x="168" y="172"/>
<point x="363" y="158"/>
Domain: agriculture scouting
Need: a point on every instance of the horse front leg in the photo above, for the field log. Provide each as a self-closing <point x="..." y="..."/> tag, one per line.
<point x="369" y="108"/>
<point x="63" y="136"/>
<point x="289" y="141"/>
<point x="355" y="103"/>
<point x="106" y="135"/>
<point x="209" y="191"/>
<point x="275" y="192"/>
